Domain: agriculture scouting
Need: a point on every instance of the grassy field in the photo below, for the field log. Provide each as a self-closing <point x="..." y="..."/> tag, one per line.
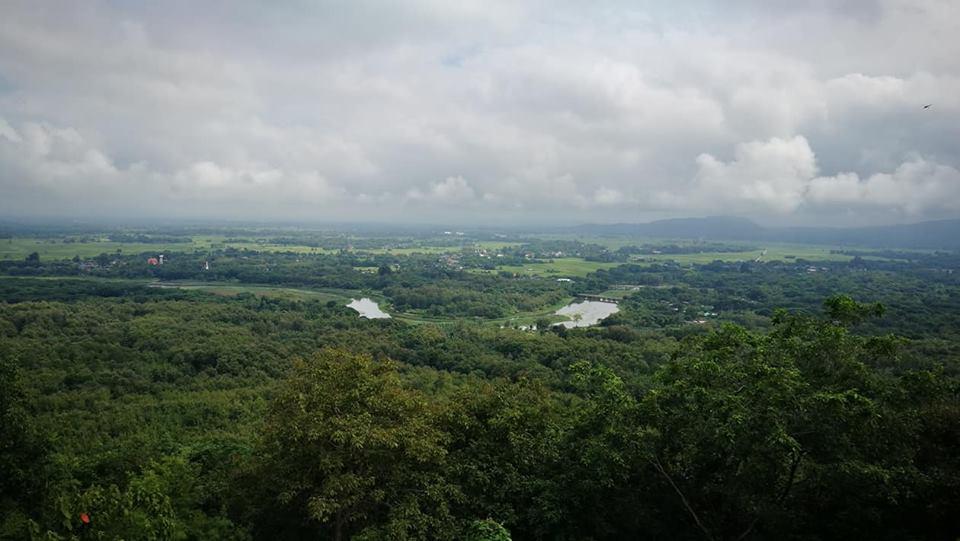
<point x="413" y="250"/>
<point x="616" y="293"/>
<point x="769" y="253"/>
<point x="495" y="244"/>
<point x="288" y="293"/>
<point x="573" y="267"/>
<point x="19" y="248"/>
<point x="99" y="279"/>
<point x="344" y="296"/>
<point x="56" y="248"/>
<point x="513" y="320"/>
<point x="558" y="268"/>
<point x="775" y="251"/>
<point x="454" y="249"/>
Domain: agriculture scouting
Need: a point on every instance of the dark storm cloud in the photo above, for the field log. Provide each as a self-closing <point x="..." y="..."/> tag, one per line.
<point x="482" y="110"/>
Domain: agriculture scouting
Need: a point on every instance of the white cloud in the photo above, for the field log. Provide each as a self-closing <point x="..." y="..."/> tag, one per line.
<point x="914" y="187"/>
<point x="450" y="190"/>
<point x="764" y="175"/>
<point x="609" y="197"/>
<point x="781" y="176"/>
<point x="7" y="131"/>
<point x="59" y="165"/>
<point x="553" y="112"/>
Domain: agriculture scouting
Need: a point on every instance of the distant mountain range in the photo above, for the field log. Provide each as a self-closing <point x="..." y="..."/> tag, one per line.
<point x="941" y="234"/>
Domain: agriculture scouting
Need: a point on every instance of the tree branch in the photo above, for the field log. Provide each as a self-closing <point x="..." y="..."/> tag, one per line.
<point x="794" y="465"/>
<point x="797" y="458"/>
<point x="686" y="504"/>
<point x="749" y="528"/>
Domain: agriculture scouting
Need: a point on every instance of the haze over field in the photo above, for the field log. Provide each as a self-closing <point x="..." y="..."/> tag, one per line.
<point x="789" y="113"/>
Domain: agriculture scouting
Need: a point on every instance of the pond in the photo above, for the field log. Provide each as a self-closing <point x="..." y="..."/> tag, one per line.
<point x="368" y="308"/>
<point x="586" y="313"/>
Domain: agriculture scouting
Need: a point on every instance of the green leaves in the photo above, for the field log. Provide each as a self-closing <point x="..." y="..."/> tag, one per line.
<point x="165" y="419"/>
<point x="721" y="423"/>
<point x="487" y="530"/>
<point x="347" y="445"/>
<point x="846" y="311"/>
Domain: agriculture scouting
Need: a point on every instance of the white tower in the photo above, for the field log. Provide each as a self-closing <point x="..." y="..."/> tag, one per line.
<point x="161" y="259"/>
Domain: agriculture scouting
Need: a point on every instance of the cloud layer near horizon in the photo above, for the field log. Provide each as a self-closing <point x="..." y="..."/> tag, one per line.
<point x="482" y="111"/>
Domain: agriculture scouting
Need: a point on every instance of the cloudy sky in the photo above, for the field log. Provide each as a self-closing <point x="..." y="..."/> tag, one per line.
<point x="480" y="111"/>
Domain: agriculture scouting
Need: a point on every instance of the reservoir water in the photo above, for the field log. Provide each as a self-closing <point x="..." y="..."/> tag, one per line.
<point x="368" y="308"/>
<point x="586" y="313"/>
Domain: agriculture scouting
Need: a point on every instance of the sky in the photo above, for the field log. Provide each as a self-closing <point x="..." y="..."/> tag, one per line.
<point x="481" y="112"/>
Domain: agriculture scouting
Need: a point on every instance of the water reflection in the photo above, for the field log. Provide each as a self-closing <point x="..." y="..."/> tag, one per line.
<point x="586" y="313"/>
<point x="368" y="308"/>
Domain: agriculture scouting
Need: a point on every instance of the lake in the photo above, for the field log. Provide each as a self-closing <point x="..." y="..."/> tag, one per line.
<point x="586" y="313"/>
<point x="368" y="308"/>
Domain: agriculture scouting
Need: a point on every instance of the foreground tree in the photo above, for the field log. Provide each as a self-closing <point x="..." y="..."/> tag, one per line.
<point x="789" y="434"/>
<point x="348" y="452"/>
<point x="722" y="439"/>
<point x="22" y="454"/>
<point x="503" y="455"/>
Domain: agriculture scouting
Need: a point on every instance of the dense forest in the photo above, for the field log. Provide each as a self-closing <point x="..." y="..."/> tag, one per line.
<point x="197" y="417"/>
<point x="728" y="400"/>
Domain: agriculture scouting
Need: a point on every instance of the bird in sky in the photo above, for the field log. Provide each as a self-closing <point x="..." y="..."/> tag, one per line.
<point x="927" y="106"/>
